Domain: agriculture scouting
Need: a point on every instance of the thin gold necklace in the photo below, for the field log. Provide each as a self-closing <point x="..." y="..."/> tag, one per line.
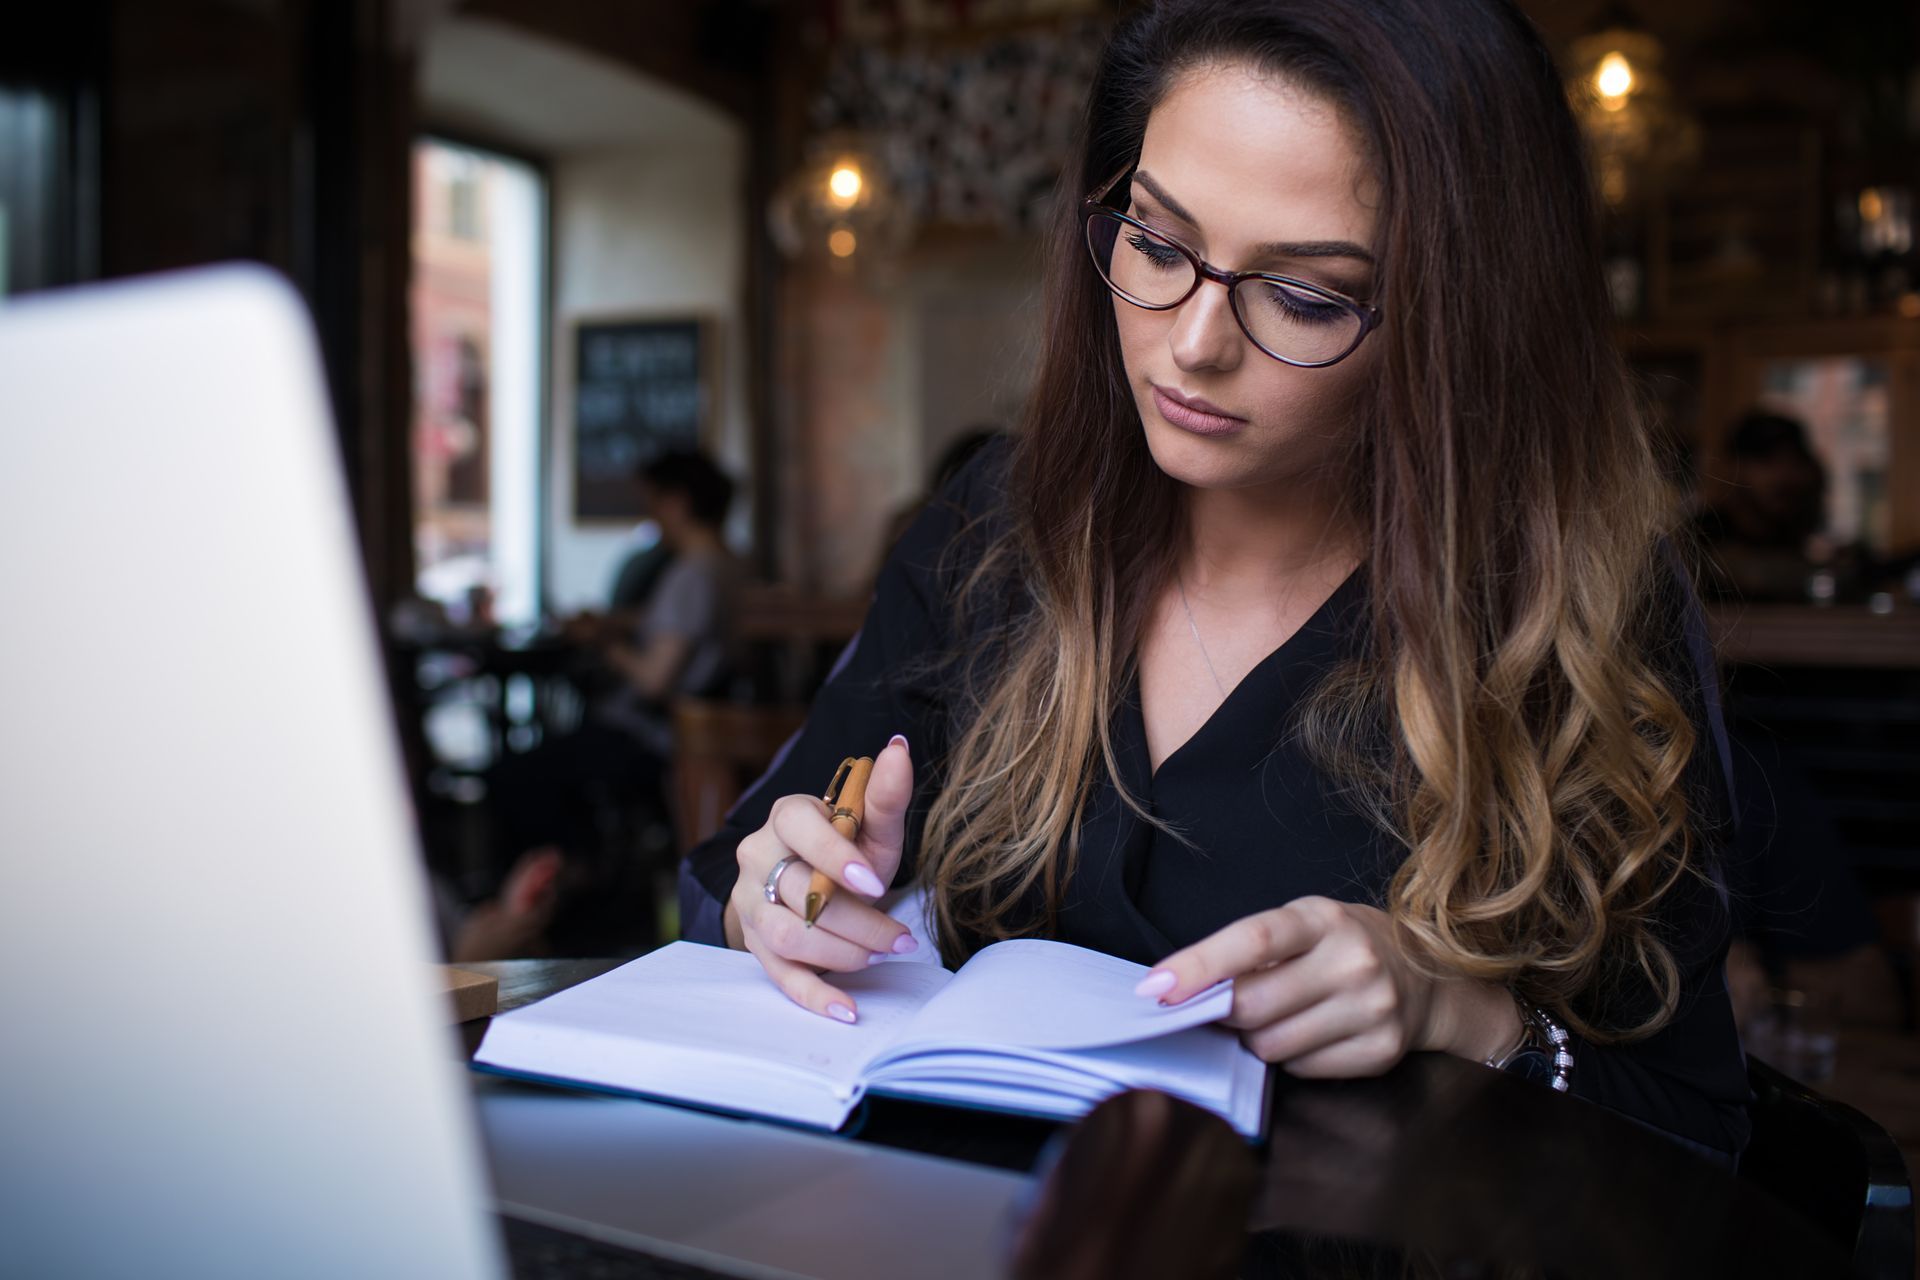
<point x="1179" y="581"/>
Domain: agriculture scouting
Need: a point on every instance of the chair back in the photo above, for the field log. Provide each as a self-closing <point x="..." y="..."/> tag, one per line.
<point x="1839" y="1169"/>
<point x="790" y="638"/>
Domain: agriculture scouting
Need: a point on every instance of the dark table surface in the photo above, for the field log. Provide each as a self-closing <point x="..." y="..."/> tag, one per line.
<point x="1440" y="1168"/>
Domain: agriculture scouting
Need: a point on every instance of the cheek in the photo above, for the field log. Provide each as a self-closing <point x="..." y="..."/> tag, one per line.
<point x="1326" y="398"/>
<point x="1137" y="333"/>
<point x="1306" y="401"/>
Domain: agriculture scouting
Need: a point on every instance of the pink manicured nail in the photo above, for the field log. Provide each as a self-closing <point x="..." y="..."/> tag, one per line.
<point x="904" y="943"/>
<point x="901" y="739"/>
<point x="840" y="1011"/>
<point x="1157" y="983"/>
<point x="861" y="877"/>
<point x="875" y="957"/>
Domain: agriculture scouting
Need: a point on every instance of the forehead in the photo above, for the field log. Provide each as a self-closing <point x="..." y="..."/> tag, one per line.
<point x="1254" y="157"/>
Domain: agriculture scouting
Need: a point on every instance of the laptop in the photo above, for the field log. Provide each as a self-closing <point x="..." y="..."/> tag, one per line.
<point x="222" y="1051"/>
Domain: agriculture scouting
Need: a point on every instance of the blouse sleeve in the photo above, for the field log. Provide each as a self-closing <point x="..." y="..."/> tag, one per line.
<point x="883" y="683"/>
<point x="1689" y="1079"/>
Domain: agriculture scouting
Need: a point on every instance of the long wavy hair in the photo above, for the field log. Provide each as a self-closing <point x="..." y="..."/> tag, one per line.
<point x="1505" y="722"/>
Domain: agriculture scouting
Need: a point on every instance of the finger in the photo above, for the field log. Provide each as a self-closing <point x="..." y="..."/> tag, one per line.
<point x="868" y="927"/>
<point x="803" y="986"/>
<point x="1370" y="1053"/>
<point x="787" y="935"/>
<point x="883" y="828"/>
<point x="1240" y="947"/>
<point x="845" y="914"/>
<point x="800" y="823"/>
<point x="1307" y="1033"/>
<point x="1269" y="995"/>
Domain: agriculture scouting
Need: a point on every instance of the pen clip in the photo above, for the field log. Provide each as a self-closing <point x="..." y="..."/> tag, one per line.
<point x="839" y="780"/>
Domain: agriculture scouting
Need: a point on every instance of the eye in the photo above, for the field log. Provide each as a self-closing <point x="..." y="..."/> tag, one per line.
<point x="1300" y="306"/>
<point x="1160" y="255"/>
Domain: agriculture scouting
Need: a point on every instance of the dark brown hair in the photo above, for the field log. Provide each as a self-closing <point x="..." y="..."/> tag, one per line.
<point x="1507" y="726"/>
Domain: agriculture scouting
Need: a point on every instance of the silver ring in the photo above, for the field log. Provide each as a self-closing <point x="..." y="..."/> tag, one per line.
<point x="772" y="886"/>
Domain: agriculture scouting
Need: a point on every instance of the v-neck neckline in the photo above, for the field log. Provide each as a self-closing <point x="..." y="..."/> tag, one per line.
<point x="1136" y="708"/>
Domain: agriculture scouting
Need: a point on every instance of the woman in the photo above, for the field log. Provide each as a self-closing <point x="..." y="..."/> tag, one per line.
<point x="1322" y="634"/>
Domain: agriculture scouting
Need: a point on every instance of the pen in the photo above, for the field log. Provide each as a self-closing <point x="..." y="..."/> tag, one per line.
<point x="847" y="794"/>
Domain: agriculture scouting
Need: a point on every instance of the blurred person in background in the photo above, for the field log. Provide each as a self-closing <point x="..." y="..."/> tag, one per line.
<point x="679" y="642"/>
<point x="644" y="558"/>
<point x="1761" y="529"/>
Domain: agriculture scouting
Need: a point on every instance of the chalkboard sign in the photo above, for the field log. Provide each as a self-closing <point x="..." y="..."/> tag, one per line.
<point x="641" y="388"/>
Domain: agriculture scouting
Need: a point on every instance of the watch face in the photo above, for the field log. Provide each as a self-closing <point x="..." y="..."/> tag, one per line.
<point x="1532" y="1064"/>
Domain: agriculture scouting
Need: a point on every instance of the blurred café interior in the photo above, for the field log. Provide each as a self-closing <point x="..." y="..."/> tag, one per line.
<point x="602" y="284"/>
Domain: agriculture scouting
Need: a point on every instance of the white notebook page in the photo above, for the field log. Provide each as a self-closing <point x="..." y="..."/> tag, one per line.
<point x="1041" y="994"/>
<point x="711" y="998"/>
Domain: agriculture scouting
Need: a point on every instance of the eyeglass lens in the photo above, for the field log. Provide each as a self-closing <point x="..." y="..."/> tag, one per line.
<point x="1294" y="324"/>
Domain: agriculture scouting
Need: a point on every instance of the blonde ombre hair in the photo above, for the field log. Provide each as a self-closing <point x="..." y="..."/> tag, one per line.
<point x="1506" y="724"/>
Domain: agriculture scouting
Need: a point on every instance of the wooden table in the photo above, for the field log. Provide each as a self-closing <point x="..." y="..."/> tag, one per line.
<point x="1798" y="635"/>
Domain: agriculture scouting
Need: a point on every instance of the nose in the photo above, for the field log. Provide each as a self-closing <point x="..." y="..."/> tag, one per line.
<point x="1205" y="334"/>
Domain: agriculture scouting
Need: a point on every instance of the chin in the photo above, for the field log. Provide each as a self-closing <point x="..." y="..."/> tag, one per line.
<point x="1195" y="460"/>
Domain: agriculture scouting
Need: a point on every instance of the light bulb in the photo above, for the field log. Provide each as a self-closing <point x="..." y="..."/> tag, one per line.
<point x="1614" y="80"/>
<point x="844" y="184"/>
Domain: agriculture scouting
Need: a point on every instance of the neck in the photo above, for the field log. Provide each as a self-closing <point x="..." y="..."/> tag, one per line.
<point x="691" y="537"/>
<point x="1266" y="542"/>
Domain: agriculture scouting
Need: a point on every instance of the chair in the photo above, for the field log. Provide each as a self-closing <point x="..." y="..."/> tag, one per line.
<point x="1838" y="1168"/>
<point x="719" y="749"/>
<point x="793" y="637"/>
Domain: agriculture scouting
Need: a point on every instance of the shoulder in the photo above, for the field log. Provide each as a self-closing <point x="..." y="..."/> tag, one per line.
<point x="976" y="496"/>
<point x="693" y="584"/>
<point x="957" y="526"/>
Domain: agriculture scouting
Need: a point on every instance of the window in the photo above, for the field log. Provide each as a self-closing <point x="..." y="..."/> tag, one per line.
<point x="479" y="285"/>
<point x="36" y="191"/>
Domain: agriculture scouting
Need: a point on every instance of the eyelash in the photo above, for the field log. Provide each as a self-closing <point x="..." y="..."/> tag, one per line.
<point x="1315" y="311"/>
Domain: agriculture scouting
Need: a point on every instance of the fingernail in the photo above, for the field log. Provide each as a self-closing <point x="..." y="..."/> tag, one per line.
<point x="904" y="943"/>
<point x="901" y="739"/>
<point x="861" y="877"/>
<point x="840" y="1011"/>
<point x="1157" y="983"/>
<point x="875" y="957"/>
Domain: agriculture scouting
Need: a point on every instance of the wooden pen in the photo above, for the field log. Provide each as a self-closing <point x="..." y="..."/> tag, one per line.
<point x="847" y="796"/>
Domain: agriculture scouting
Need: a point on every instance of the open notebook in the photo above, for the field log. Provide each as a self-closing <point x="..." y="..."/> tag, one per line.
<point x="1028" y="1025"/>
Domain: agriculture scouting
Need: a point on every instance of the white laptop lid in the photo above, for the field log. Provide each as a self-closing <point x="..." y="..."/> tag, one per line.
<point x="221" y="1053"/>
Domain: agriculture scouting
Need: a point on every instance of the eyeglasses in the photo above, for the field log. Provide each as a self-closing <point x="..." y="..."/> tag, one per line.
<point x="1294" y="321"/>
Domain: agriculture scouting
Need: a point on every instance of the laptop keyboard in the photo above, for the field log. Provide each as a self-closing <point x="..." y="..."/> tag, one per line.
<point x="541" y="1253"/>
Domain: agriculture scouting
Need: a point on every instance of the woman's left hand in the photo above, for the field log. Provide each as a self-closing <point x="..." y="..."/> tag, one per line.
<point x="1327" y="988"/>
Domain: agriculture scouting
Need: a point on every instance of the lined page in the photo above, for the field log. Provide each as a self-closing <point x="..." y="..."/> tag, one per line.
<point x="690" y="996"/>
<point x="1035" y="993"/>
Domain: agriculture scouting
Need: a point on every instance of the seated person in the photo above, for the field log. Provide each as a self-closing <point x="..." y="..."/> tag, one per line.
<point x="1346" y="660"/>
<point x="1760" y="532"/>
<point x="681" y="644"/>
<point x="645" y="558"/>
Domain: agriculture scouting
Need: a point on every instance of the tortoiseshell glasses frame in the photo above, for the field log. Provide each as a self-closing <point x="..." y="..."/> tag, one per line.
<point x="1315" y="303"/>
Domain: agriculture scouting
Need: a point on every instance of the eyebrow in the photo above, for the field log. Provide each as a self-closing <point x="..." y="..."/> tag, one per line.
<point x="1286" y="248"/>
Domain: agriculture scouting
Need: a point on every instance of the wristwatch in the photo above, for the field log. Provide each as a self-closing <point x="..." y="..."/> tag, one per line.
<point x="1542" y="1055"/>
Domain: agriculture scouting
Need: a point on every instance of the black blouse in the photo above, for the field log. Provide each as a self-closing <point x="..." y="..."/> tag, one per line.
<point x="1266" y="824"/>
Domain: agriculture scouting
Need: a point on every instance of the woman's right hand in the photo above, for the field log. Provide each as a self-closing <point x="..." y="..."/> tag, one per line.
<point x="851" y="933"/>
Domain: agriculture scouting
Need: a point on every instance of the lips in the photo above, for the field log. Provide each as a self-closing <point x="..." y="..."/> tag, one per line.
<point x="1182" y="413"/>
<point x="1195" y="403"/>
